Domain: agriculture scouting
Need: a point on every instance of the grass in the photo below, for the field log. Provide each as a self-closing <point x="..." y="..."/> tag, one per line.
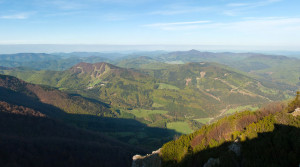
<point x="167" y="86"/>
<point x="181" y="127"/>
<point x="95" y="82"/>
<point x="241" y="108"/>
<point x="203" y="120"/>
<point x="157" y="105"/>
<point x="268" y="91"/>
<point x="142" y="113"/>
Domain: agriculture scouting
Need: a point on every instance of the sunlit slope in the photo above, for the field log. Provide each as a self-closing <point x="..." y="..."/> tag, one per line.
<point x="267" y="137"/>
<point x="81" y="112"/>
<point x="183" y="92"/>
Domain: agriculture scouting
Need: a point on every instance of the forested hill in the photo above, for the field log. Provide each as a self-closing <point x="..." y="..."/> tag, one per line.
<point x="74" y="104"/>
<point x="37" y="128"/>
<point x="30" y="138"/>
<point x="267" y="137"/>
<point x="186" y="95"/>
<point x="80" y="112"/>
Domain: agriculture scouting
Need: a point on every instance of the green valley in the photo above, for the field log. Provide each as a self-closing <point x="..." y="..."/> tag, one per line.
<point x="151" y="101"/>
<point x="161" y="97"/>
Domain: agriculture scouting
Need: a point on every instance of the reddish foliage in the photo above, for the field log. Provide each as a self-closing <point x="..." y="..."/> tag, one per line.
<point x="245" y="121"/>
<point x="271" y="108"/>
<point x="217" y="133"/>
<point x="14" y="109"/>
<point x="197" y="140"/>
<point x="220" y="132"/>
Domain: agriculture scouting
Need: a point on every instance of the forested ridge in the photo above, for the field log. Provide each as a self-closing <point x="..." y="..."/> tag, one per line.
<point x="267" y="137"/>
<point x="39" y="127"/>
<point x="133" y="105"/>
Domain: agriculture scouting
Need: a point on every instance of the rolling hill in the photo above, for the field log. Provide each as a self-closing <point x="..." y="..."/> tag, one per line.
<point x="37" y="129"/>
<point x="186" y="93"/>
<point x="142" y="102"/>
<point x="266" y="68"/>
<point x="141" y="62"/>
<point x="280" y="69"/>
<point x="73" y="104"/>
<point x="81" y="112"/>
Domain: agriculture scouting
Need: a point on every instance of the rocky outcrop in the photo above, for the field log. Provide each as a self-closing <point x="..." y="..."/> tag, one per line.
<point x="235" y="147"/>
<point x="296" y="112"/>
<point x="187" y="81"/>
<point x="150" y="160"/>
<point x="212" y="162"/>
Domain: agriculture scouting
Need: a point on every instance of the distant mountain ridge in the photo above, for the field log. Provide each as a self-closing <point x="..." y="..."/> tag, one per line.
<point x="27" y="57"/>
<point x="145" y="100"/>
<point x="176" y="93"/>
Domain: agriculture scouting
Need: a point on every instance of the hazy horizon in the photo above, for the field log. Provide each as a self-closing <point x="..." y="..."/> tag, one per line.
<point x="69" y="48"/>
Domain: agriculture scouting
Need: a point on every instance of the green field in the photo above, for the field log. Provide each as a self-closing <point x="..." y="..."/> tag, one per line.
<point x="95" y="82"/>
<point x="167" y="86"/>
<point x="142" y="113"/>
<point x="241" y="108"/>
<point x="157" y="105"/>
<point x="181" y="127"/>
<point x="203" y="120"/>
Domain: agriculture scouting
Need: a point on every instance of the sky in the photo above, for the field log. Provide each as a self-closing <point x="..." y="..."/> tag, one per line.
<point x="273" y="24"/>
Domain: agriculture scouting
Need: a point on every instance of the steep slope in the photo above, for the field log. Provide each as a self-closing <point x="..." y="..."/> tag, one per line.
<point x="268" y="137"/>
<point x="30" y="138"/>
<point x="114" y="85"/>
<point x="97" y="72"/>
<point x="216" y="84"/>
<point x="81" y="112"/>
<point x="69" y="103"/>
<point x="175" y="96"/>
<point x="111" y="84"/>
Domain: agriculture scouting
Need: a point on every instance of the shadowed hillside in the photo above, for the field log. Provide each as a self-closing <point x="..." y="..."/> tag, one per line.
<point x="48" y="95"/>
<point x="279" y="147"/>
<point x="80" y="112"/>
<point x="31" y="139"/>
<point x="181" y="97"/>
<point x="267" y="137"/>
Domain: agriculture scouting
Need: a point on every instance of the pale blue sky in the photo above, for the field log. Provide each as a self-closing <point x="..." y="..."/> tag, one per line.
<point x="151" y="22"/>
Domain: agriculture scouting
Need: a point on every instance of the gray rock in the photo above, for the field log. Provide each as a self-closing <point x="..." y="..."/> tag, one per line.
<point x="150" y="160"/>
<point x="236" y="148"/>
<point x="212" y="162"/>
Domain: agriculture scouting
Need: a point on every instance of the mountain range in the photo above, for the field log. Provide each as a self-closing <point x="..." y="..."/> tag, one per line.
<point x="100" y="104"/>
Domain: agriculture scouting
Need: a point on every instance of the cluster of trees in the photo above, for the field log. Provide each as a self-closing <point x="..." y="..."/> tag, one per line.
<point x="15" y="109"/>
<point x="270" y="128"/>
<point x="295" y="103"/>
